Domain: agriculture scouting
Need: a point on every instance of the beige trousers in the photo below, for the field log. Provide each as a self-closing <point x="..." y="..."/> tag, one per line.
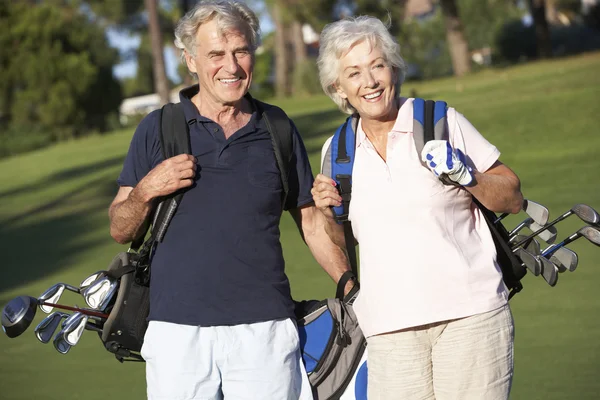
<point x="465" y="359"/>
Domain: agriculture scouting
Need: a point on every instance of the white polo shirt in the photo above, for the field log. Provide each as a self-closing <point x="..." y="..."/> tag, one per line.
<point x="426" y="254"/>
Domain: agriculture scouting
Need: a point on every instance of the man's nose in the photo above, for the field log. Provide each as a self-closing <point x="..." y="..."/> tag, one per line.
<point x="231" y="64"/>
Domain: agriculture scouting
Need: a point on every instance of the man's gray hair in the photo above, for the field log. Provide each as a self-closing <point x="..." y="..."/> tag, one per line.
<point x="228" y="14"/>
<point x="338" y="38"/>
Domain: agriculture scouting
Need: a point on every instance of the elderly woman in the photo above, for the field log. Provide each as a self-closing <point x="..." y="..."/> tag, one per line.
<point x="432" y="304"/>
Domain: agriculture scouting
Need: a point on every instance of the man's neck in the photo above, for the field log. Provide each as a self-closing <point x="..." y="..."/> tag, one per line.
<point x="222" y="114"/>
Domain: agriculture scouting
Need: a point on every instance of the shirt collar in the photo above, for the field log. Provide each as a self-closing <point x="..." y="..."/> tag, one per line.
<point x="191" y="112"/>
<point x="403" y="124"/>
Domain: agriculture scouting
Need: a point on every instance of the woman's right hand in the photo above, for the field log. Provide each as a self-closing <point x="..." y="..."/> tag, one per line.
<point x="325" y="195"/>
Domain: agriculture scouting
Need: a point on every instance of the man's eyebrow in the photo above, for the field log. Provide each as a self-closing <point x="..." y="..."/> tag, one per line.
<point x="216" y="53"/>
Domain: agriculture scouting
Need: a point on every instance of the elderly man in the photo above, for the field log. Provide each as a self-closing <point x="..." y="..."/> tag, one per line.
<point x="221" y="314"/>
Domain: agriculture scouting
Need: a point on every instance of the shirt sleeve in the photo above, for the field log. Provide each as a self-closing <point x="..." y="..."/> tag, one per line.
<point x="480" y="153"/>
<point x="324" y="151"/>
<point x="301" y="177"/>
<point x="144" y="151"/>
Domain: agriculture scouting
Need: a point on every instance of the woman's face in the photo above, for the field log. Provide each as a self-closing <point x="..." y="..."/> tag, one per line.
<point x="367" y="81"/>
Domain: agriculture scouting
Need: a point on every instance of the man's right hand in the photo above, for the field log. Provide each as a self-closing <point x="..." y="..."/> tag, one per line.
<point x="325" y="195"/>
<point x="167" y="177"/>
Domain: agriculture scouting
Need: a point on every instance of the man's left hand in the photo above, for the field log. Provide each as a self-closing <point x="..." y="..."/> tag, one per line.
<point x="442" y="159"/>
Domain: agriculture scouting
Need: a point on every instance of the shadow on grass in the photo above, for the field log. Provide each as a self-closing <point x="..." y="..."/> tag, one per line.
<point x="36" y="243"/>
<point x="71" y="173"/>
<point x="31" y="252"/>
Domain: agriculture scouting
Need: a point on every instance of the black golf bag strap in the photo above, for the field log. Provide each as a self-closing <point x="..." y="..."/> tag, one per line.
<point x="174" y="140"/>
<point x="512" y="271"/>
<point x="280" y="129"/>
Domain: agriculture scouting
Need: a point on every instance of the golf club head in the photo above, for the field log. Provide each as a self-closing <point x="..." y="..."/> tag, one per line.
<point x="548" y="235"/>
<point x="17" y="315"/>
<point x="549" y="271"/>
<point x="45" y="329"/>
<point x="536" y="211"/>
<point x="591" y="233"/>
<point x="74" y="329"/>
<point x="60" y="344"/>
<point x="564" y="258"/>
<point x="587" y="214"/>
<point x="533" y="246"/>
<point x="100" y="292"/>
<point x="529" y="260"/>
<point x="90" y="279"/>
<point x="51" y="296"/>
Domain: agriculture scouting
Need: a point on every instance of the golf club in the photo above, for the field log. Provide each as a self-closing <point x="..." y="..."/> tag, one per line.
<point x="60" y="344"/>
<point x="536" y="211"/>
<point x="74" y="328"/>
<point x="564" y="258"/>
<point x="586" y="213"/>
<point x="47" y="327"/>
<point x="548" y="235"/>
<point x="530" y="261"/>
<point x="591" y="233"/>
<point x="89" y="280"/>
<point x="17" y="315"/>
<point x="85" y="311"/>
<point x="53" y="294"/>
<point x="100" y="292"/>
<point x="549" y="271"/>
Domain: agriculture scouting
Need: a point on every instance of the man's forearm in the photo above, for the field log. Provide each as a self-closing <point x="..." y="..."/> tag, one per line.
<point x="128" y="218"/>
<point x="331" y="256"/>
<point x="499" y="193"/>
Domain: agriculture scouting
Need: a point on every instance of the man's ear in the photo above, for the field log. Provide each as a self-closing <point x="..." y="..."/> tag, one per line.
<point x="190" y="62"/>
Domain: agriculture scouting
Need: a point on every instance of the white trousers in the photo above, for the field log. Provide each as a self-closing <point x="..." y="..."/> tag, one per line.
<point x="240" y="362"/>
<point x="465" y="359"/>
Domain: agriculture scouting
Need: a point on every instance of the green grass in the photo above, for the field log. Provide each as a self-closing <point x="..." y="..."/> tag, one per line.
<point x="53" y="228"/>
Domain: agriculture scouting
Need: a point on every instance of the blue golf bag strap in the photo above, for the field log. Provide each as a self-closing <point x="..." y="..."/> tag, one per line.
<point x="341" y="151"/>
<point x="429" y="122"/>
<point x="342" y="161"/>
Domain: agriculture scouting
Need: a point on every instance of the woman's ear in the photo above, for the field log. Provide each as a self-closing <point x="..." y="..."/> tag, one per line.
<point x="340" y="91"/>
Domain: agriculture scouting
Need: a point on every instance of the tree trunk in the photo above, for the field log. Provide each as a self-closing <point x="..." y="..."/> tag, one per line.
<point x="299" y="56"/>
<point x="282" y="63"/>
<point x="161" y="82"/>
<point x="542" y="32"/>
<point x="457" y="40"/>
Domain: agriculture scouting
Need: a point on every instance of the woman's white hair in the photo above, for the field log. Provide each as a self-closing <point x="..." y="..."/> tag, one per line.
<point x="338" y="38"/>
<point x="228" y="14"/>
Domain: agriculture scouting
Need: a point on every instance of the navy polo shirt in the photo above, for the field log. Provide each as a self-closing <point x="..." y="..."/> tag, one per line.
<point x="221" y="262"/>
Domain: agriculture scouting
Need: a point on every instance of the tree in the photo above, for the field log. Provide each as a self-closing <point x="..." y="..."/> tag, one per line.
<point x="56" y="69"/>
<point x="457" y="40"/>
<point x="161" y="83"/>
<point x="542" y="32"/>
<point x="141" y="17"/>
<point x="283" y="84"/>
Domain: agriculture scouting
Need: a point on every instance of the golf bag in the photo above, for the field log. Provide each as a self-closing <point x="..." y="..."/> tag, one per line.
<point x="333" y="346"/>
<point x="429" y="122"/>
<point x="123" y="332"/>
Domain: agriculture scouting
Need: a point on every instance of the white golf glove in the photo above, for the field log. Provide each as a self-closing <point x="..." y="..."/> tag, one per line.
<point x="442" y="159"/>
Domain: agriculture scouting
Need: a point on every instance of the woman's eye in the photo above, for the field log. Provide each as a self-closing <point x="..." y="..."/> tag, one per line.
<point x="353" y="74"/>
<point x="379" y="66"/>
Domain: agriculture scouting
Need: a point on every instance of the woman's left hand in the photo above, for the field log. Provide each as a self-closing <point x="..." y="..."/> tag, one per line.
<point x="325" y="195"/>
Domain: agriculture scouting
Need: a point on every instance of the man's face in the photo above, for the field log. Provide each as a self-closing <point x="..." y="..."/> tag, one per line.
<point x="223" y="63"/>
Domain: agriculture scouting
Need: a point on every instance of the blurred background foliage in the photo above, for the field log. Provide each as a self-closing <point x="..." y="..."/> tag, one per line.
<point x="57" y="62"/>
